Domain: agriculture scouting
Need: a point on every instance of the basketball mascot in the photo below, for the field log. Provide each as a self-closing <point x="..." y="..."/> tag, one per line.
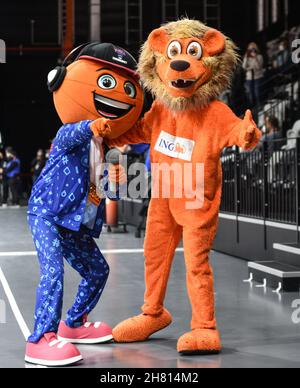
<point x="67" y="202"/>
<point x="186" y="66"/>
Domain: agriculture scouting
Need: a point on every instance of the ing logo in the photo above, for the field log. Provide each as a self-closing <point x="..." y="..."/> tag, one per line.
<point x="2" y="51"/>
<point x="173" y="147"/>
<point x="180" y="148"/>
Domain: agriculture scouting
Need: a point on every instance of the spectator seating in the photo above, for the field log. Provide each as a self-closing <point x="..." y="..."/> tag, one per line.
<point x="292" y="136"/>
<point x="289" y="36"/>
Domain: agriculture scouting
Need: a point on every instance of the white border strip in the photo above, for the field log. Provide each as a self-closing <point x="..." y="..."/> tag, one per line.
<point x="17" y="254"/>
<point x="13" y="304"/>
<point x="104" y="251"/>
<point x="287" y="248"/>
<point x="278" y="225"/>
<point x="273" y="271"/>
<point x="256" y="221"/>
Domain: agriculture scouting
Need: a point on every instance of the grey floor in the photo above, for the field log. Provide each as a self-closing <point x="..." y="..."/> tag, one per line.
<point x="257" y="327"/>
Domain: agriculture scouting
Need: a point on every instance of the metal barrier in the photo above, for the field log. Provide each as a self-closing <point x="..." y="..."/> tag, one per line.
<point x="264" y="183"/>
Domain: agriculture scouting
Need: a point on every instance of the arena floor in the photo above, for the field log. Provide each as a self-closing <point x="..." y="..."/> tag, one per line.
<point x="256" y="327"/>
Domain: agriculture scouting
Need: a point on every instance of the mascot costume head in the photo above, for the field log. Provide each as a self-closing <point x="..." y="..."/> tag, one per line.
<point x="101" y="82"/>
<point x="186" y="66"/>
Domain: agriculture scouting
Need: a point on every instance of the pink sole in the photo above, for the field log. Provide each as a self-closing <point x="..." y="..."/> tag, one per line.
<point x="70" y="361"/>
<point x="101" y="340"/>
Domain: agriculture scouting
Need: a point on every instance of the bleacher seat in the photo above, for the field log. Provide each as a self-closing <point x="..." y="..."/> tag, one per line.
<point x="292" y="136"/>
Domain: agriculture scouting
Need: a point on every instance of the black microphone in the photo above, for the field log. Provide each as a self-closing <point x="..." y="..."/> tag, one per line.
<point x="114" y="157"/>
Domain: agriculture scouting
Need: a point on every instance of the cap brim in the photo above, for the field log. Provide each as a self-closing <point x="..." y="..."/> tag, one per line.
<point x="130" y="71"/>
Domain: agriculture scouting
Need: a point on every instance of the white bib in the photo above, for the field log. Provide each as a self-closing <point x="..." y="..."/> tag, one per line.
<point x="175" y="147"/>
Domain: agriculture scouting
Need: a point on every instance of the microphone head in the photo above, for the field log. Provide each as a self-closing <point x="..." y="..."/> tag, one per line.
<point x="114" y="156"/>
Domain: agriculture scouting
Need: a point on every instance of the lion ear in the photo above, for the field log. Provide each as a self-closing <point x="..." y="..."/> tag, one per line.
<point x="214" y="42"/>
<point x="158" y="40"/>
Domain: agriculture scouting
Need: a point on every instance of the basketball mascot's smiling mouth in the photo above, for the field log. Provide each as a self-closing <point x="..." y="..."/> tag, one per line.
<point x="109" y="108"/>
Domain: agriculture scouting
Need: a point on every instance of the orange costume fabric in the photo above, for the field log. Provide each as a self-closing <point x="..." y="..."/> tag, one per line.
<point x="207" y="129"/>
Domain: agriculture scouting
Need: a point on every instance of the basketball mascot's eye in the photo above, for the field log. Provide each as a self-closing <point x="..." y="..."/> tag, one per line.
<point x="195" y="50"/>
<point x="106" y="81"/>
<point x="130" y="89"/>
<point x="174" y="49"/>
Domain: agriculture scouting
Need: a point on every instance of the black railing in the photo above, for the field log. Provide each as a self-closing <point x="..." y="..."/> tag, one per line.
<point x="281" y="98"/>
<point x="264" y="183"/>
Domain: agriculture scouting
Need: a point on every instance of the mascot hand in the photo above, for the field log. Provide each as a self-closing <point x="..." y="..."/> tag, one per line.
<point x="101" y="127"/>
<point x="250" y="134"/>
<point x="117" y="174"/>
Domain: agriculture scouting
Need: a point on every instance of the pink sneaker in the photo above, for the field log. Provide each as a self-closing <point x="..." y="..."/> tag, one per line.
<point x="88" y="333"/>
<point x="50" y="351"/>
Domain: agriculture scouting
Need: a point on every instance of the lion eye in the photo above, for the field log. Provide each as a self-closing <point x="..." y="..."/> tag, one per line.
<point x="195" y="50"/>
<point x="174" y="49"/>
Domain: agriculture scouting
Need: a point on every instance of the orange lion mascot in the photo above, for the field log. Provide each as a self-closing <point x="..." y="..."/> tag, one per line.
<point x="186" y="65"/>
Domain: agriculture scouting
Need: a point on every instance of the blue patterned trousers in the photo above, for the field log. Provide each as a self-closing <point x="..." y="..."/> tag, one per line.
<point x="53" y="245"/>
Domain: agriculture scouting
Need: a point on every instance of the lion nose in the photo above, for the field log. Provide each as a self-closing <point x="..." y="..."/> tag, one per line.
<point x="180" y="65"/>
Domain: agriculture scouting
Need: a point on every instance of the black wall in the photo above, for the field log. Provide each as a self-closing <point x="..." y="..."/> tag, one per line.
<point x="27" y="117"/>
<point x="15" y="21"/>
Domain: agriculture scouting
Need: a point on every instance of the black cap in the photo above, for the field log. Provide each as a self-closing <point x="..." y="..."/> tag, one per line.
<point x="110" y="54"/>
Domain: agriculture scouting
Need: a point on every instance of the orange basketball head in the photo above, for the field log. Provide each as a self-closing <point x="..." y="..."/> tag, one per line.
<point x="186" y="63"/>
<point x="94" y="88"/>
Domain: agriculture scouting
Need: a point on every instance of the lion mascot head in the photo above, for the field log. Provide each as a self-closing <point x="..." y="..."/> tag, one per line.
<point x="186" y="64"/>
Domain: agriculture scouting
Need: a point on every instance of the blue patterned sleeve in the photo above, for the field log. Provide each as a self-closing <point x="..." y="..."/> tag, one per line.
<point x="70" y="136"/>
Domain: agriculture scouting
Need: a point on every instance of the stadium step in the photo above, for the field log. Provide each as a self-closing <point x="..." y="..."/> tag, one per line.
<point x="281" y="277"/>
<point x="288" y="253"/>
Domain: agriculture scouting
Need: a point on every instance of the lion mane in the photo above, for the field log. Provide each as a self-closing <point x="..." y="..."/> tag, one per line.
<point x="222" y="65"/>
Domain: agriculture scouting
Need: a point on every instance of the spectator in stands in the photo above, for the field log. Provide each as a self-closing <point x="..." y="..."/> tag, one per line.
<point x="12" y="173"/>
<point x="3" y="180"/>
<point x="272" y="134"/>
<point x="47" y="154"/>
<point x="283" y="55"/>
<point x="38" y="164"/>
<point x="253" y="64"/>
<point x="2" y="161"/>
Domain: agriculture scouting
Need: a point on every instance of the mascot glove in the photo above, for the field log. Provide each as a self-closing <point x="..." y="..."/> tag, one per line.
<point x="250" y="135"/>
<point x="101" y="127"/>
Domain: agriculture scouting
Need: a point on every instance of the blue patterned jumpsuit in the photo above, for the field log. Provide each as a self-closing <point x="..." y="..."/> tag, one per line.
<point x="56" y="212"/>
